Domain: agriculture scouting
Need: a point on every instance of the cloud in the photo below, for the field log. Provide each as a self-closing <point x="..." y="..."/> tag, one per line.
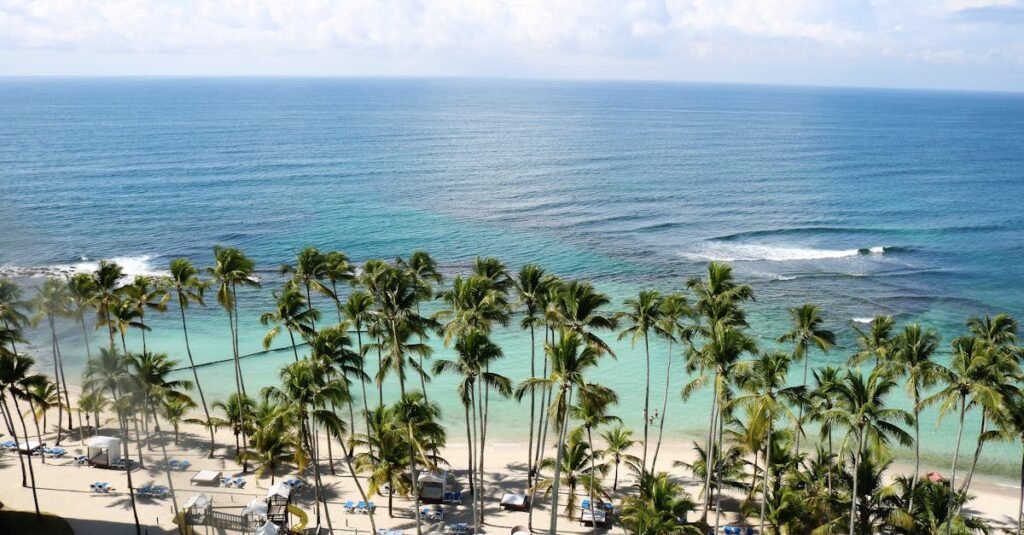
<point x="523" y="36"/>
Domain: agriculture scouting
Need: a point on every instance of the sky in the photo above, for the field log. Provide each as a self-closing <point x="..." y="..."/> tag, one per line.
<point x="935" y="44"/>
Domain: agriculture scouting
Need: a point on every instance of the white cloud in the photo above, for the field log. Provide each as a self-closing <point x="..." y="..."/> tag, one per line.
<point x="533" y="36"/>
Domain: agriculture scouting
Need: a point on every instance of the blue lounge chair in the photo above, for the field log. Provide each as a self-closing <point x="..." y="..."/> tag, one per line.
<point x="371" y="507"/>
<point x="183" y="465"/>
<point x="239" y="482"/>
<point x="174" y="464"/>
<point x="350" y="506"/>
<point x="226" y="482"/>
<point x="585" y="504"/>
<point x="55" y="452"/>
<point x="457" y="497"/>
<point x="81" y="459"/>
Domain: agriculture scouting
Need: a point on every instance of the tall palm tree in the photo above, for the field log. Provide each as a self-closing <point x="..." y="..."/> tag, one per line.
<point x="12" y="310"/>
<point x="875" y="342"/>
<point x="358" y="311"/>
<point x="821" y="398"/>
<point x="81" y="292"/>
<point x="331" y="350"/>
<point x="396" y="296"/>
<point x="1010" y="428"/>
<point x="574" y="466"/>
<point x="274" y="442"/>
<point x="591" y="409"/>
<point x="107" y="281"/>
<point x="52" y="301"/>
<point x="93" y="402"/>
<point x="807" y="333"/>
<point x="418" y="418"/>
<point x="386" y="457"/>
<point x="475" y="303"/>
<point x="292" y="312"/>
<point x="475" y="353"/>
<point x="531" y="285"/>
<point x="971" y="380"/>
<point x="912" y="353"/>
<point x="576" y="308"/>
<point x="232" y="269"/>
<point x="109" y="371"/>
<point x="768" y="398"/>
<point x="860" y="407"/>
<point x="570" y="358"/>
<point x="337" y="268"/>
<point x="310" y="269"/>
<point x="643" y="314"/>
<point x="673" y="310"/>
<point x="189" y="288"/>
<point x="239" y="418"/>
<point x="306" y="392"/>
<point x="617" y="443"/>
<point x="423" y="270"/>
<point x="144" y="295"/>
<point x="42" y="398"/>
<point x="16" y="378"/>
<point x="150" y="377"/>
<point x="175" y="409"/>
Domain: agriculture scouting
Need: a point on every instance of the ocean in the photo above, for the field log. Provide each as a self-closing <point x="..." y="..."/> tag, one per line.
<point x="861" y="201"/>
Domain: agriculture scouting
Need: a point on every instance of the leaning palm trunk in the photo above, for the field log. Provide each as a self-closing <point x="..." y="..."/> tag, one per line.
<point x="593" y="475"/>
<point x="58" y="378"/>
<point x="14" y="435"/>
<point x="359" y="486"/>
<point x="800" y="415"/>
<point x="977" y="454"/>
<point x="664" y="409"/>
<point x="533" y="408"/>
<point x="956" y="456"/>
<point x="195" y="377"/>
<point x="415" y="482"/>
<point x="469" y="450"/>
<point x="856" y="478"/>
<point x="766" y="479"/>
<point x="167" y="466"/>
<point x="558" y="459"/>
<point x="917" y="448"/>
<point x="647" y="398"/>
<point x="31" y="471"/>
<point x="1020" y="505"/>
<point x="709" y="448"/>
<point x="718" y="470"/>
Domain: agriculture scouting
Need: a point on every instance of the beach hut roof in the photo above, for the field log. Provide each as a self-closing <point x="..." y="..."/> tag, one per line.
<point x="279" y="489"/>
<point x="432" y="477"/>
<point x="199" y="501"/>
<point x="256" y="506"/>
<point x="102" y="442"/>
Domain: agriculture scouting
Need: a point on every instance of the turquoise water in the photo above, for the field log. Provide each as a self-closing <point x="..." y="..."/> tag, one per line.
<point x="863" y="201"/>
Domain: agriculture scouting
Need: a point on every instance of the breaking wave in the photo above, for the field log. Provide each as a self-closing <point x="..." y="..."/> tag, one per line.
<point x="132" y="265"/>
<point x="727" y="252"/>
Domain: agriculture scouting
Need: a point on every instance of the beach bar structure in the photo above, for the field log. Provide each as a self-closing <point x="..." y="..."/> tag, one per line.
<point x="432" y="486"/>
<point x="278" y="499"/>
<point x="103" y="451"/>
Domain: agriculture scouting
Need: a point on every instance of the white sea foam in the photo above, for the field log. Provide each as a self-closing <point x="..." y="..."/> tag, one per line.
<point x="132" y="266"/>
<point x="739" y="252"/>
<point x="862" y="320"/>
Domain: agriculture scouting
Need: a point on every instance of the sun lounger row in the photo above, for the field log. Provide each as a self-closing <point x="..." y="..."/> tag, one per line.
<point x="452" y="498"/>
<point x="432" y="514"/>
<point x="734" y="530"/>
<point x="295" y="484"/>
<point x="460" y="528"/>
<point x="50" y="452"/>
<point x="153" y="492"/>
<point x="122" y="463"/>
<point x="361" y="507"/>
<point x="100" y="486"/>
<point x="232" y="482"/>
<point x="597" y="505"/>
<point x="179" y="465"/>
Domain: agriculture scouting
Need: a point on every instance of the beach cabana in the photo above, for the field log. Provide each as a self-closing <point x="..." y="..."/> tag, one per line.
<point x="278" y="499"/>
<point x="267" y="529"/>
<point x="103" y="451"/>
<point x="515" y="502"/>
<point x="207" y="477"/>
<point x="28" y="446"/>
<point x="432" y="486"/>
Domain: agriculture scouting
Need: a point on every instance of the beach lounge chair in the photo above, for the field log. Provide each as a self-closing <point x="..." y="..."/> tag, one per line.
<point x="100" y="486"/>
<point x="238" y="482"/>
<point x="361" y="507"/>
<point x="370" y="507"/>
<point x="173" y="463"/>
<point x="457" y="497"/>
<point x="8" y="444"/>
<point x="184" y="465"/>
<point x="55" y="452"/>
<point x="350" y="506"/>
<point x="226" y="482"/>
<point x="81" y="459"/>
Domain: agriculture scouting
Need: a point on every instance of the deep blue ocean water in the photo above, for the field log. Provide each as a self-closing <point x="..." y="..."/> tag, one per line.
<point x="862" y="201"/>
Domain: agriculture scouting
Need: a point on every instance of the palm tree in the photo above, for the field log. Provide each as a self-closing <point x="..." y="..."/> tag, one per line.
<point x="971" y="380"/>
<point x="1010" y="428"/>
<point x="149" y="374"/>
<point x="109" y="372"/>
<point x="143" y="295"/>
<point x="768" y="398"/>
<point x="928" y="516"/>
<point x="821" y="400"/>
<point x="673" y="310"/>
<point x="860" y="408"/>
<point x="358" y="311"/>
<point x="574" y="466"/>
<point x="305" y="392"/>
<point x="121" y="316"/>
<point x="42" y="397"/>
<point x="236" y="407"/>
<point x="93" y="402"/>
<point x="16" y="379"/>
<point x="912" y="353"/>
<point x="575" y="307"/>
<point x="659" y="509"/>
<point x="386" y="456"/>
<point x="331" y="350"/>
<point x="617" y="443"/>
<point x="570" y="358"/>
<point x="231" y="269"/>
<point x="337" y="268"/>
<point x="310" y="269"/>
<point x="531" y="286"/>
<point x="591" y="410"/>
<point x="175" y="409"/>
<point x="807" y="333"/>
<point x="876" y="342"/>
<point x="12" y="310"/>
<point x="418" y="418"/>
<point x="475" y="352"/>
<point x="185" y="282"/>
<point x="52" y="300"/>
<point x="423" y="270"/>
<point x="396" y="296"/>
<point x="106" y="285"/>
<point x="643" y="315"/>
<point x="474" y="304"/>
<point x="81" y="293"/>
<point x="293" y="312"/>
<point x="273" y="443"/>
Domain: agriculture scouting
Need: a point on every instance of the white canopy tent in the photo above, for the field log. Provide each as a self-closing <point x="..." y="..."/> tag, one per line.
<point x="256" y="507"/>
<point x="103" y="451"/>
<point x="267" y="529"/>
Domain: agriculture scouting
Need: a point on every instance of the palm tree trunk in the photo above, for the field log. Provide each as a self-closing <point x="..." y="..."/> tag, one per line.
<point x="415" y="481"/>
<point x="362" y="380"/>
<point x="359" y="486"/>
<point x="542" y="440"/>
<point x="800" y="416"/>
<point x="31" y="471"/>
<point x="977" y="454"/>
<point x="483" y="442"/>
<point x="167" y="467"/>
<point x="856" y="479"/>
<point x="664" y="408"/>
<point x="917" y="447"/>
<point x="718" y="469"/>
<point x="469" y="451"/>
<point x="533" y="408"/>
<point x="647" y="396"/>
<point x="615" y="480"/>
<point x="1020" y="505"/>
<point x="593" y="475"/>
<point x="766" y="478"/>
<point x="956" y="455"/>
<point x="9" y="420"/>
<point x="710" y="456"/>
<point x="57" y="379"/>
<point x="753" y="475"/>
<point x="39" y="432"/>
<point x="558" y="459"/>
<point x="195" y="375"/>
